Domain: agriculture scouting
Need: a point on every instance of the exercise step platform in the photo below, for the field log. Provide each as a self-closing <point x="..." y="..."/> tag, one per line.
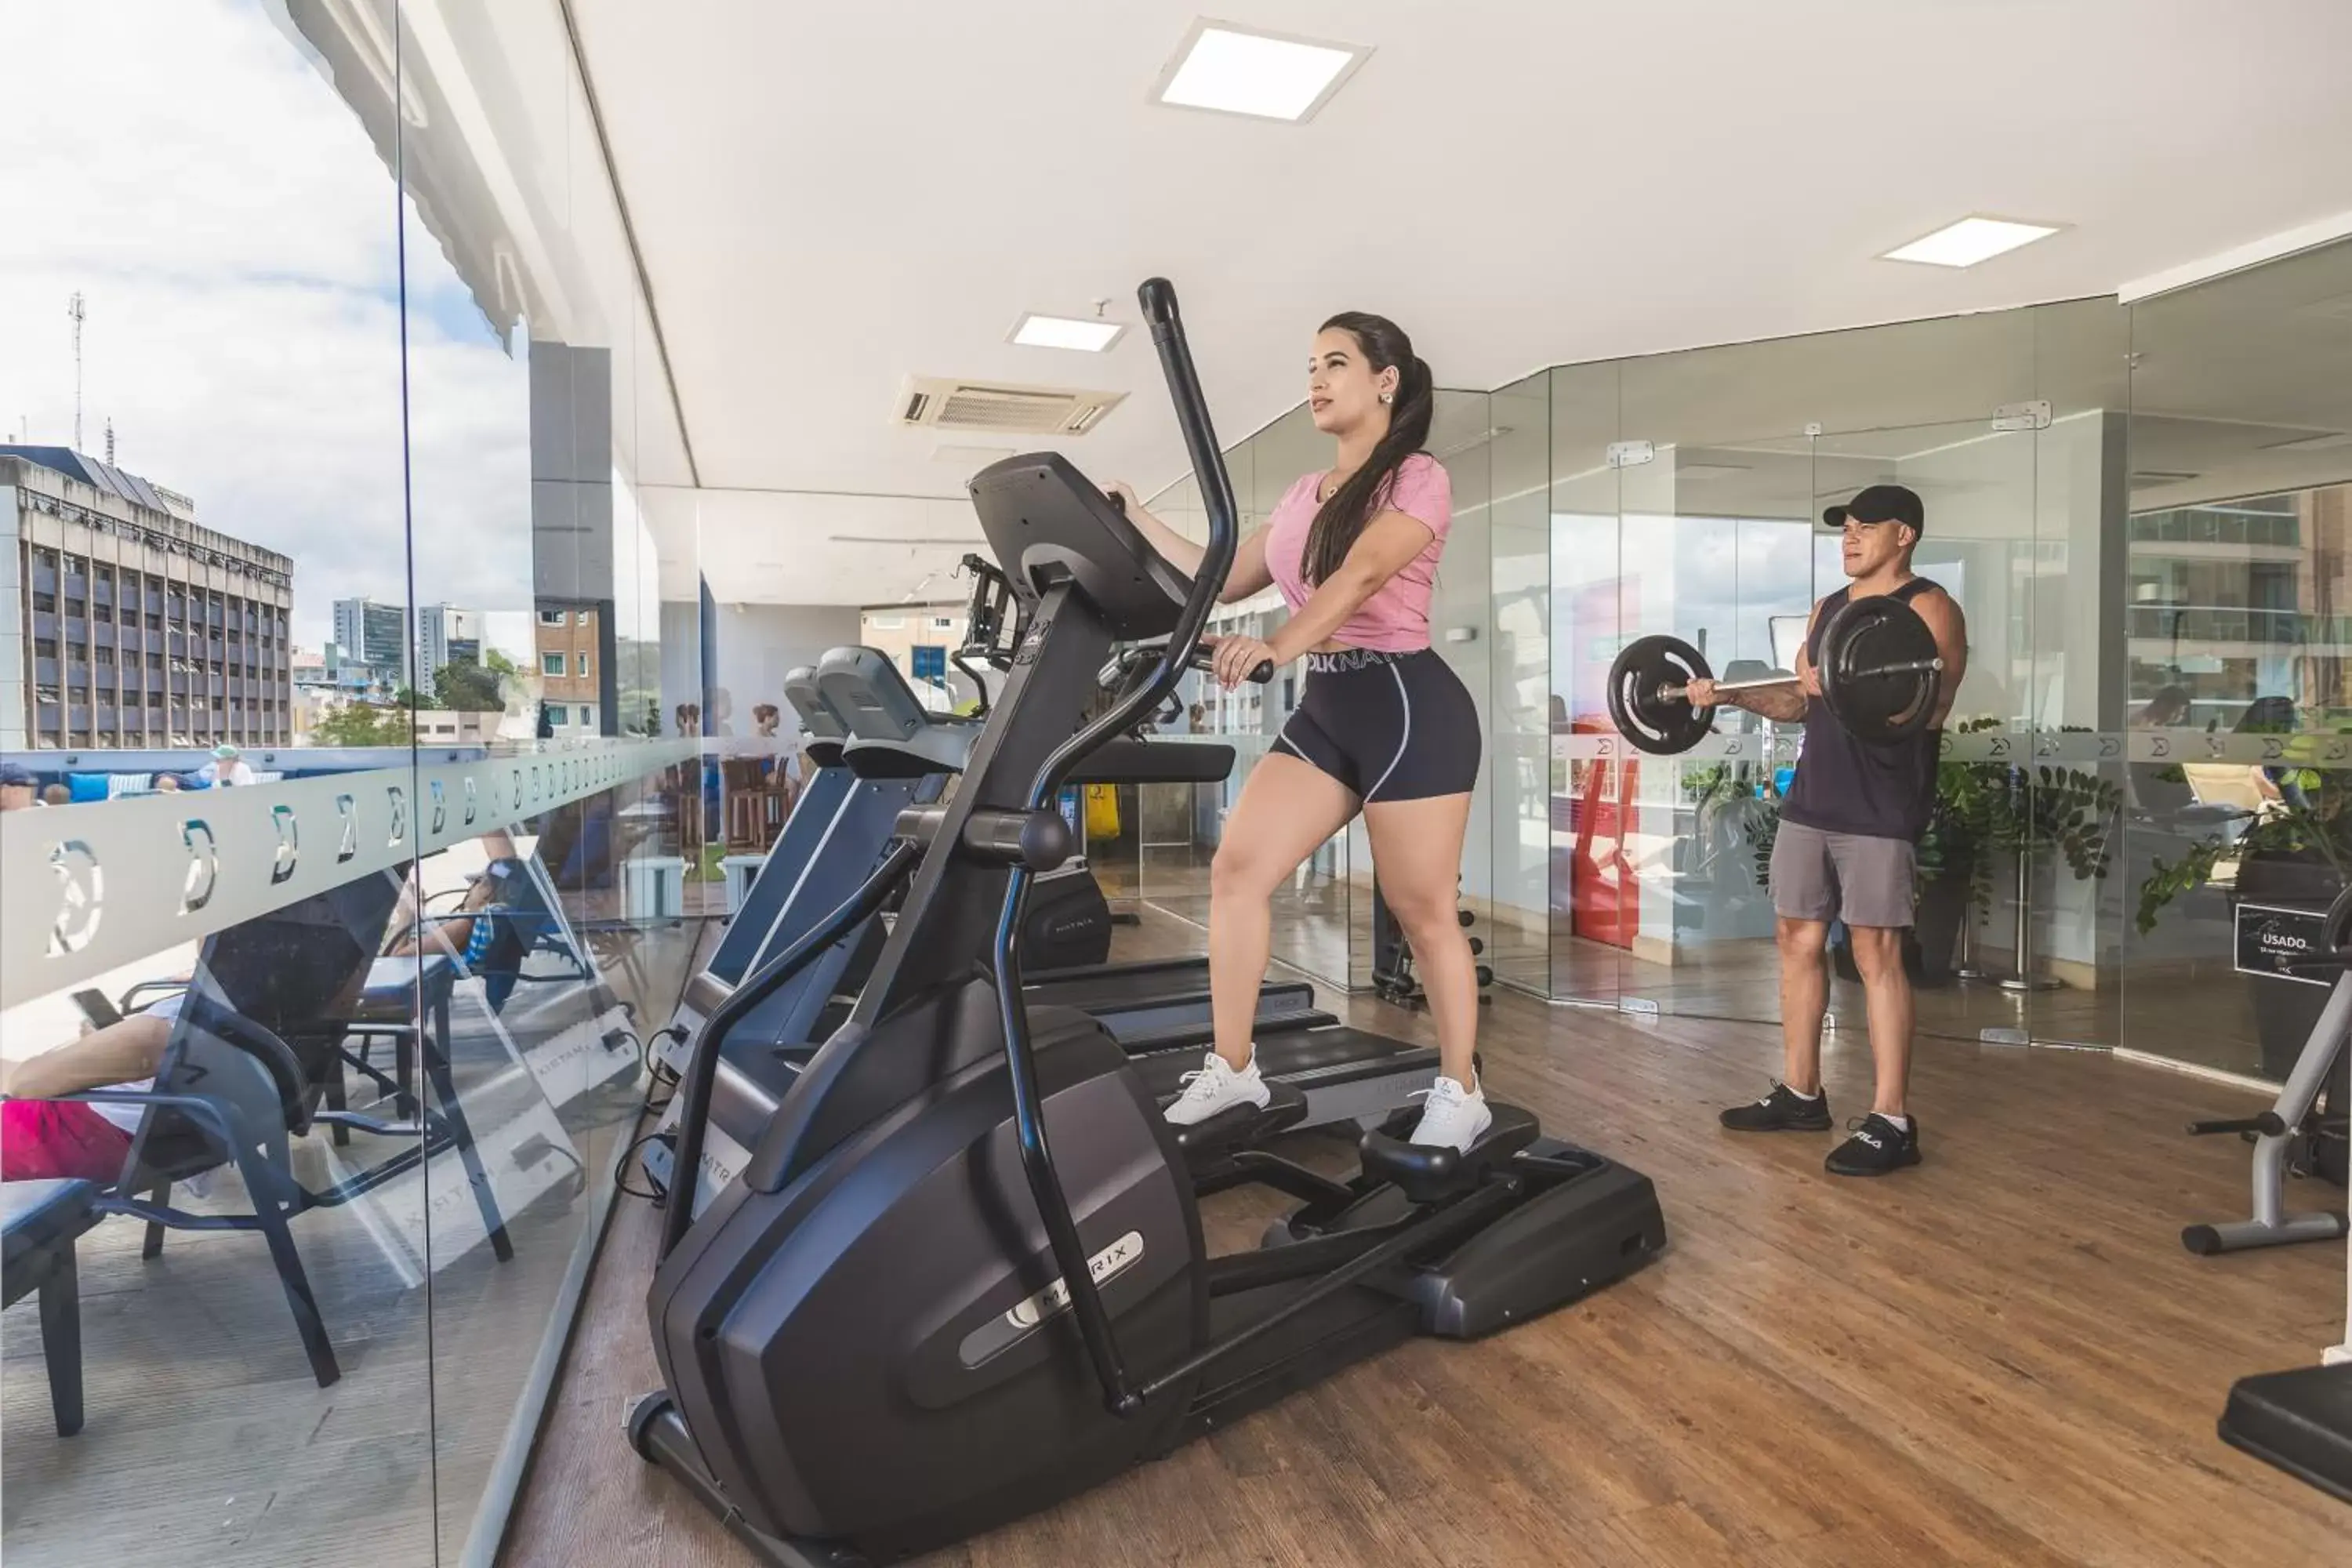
<point x="1211" y="1145"/>
<point x="2300" y="1421"/>
<point x="1428" y="1174"/>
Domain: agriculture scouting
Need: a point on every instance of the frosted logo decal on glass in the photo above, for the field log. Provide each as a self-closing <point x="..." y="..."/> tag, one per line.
<point x="172" y="878"/>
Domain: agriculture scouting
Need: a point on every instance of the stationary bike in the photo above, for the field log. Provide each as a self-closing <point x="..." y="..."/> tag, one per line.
<point x="962" y="1276"/>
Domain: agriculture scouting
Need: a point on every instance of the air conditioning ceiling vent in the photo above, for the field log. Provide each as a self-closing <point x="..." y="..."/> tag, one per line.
<point x="1001" y="409"/>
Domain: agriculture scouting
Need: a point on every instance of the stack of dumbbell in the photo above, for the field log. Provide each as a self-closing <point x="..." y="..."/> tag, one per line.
<point x="1395" y="978"/>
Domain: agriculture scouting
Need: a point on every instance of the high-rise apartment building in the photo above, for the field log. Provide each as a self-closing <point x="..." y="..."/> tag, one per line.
<point x="374" y="634"/>
<point x="125" y="623"/>
<point x="446" y="635"/>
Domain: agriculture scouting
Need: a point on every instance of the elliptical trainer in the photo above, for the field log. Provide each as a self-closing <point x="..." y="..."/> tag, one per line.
<point x="963" y="1275"/>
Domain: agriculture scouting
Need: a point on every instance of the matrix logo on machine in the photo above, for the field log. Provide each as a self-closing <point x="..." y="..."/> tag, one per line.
<point x="1110" y="1262"/>
<point x="1001" y="1333"/>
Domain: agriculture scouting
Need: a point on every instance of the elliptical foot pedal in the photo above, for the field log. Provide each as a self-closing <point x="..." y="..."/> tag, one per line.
<point x="1426" y="1174"/>
<point x="1209" y="1143"/>
<point x="2300" y="1421"/>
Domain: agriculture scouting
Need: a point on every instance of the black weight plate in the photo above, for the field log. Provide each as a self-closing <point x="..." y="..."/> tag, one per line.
<point x="1663" y="726"/>
<point x="1874" y="702"/>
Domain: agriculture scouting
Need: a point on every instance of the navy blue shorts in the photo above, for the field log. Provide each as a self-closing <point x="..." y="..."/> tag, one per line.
<point x="1389" y="726"/>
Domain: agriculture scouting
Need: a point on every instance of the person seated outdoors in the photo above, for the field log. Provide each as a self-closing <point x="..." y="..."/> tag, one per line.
<point x="17" y="791"/>
<point x="227" y="767"/>
<point x="57" y="794"/>
<point x="468" y="932"/>
<point x="43" y="1138"/>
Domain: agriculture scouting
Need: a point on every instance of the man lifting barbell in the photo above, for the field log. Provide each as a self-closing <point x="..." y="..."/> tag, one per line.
<point x="1882" y="660"/>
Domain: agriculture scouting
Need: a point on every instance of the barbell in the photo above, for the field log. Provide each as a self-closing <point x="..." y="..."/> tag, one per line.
<point x="1879" y="670"/>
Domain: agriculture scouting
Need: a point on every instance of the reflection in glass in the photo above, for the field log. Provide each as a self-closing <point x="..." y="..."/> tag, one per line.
<point x="2233" y="583"/>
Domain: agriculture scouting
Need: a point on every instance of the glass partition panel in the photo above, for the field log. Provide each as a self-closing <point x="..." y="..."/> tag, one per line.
<point x="1460" y="629"/>
<point x="1726" y="458"/>
<point x="2239" y="533"/>
<point x="1589" y="873"/>
<point x="1168" y="880"/>
<point x="1517" y="916"/>
<point x="205" y="627"/>
<point x="2075" y="793"/>
<point x="540" y="426"/>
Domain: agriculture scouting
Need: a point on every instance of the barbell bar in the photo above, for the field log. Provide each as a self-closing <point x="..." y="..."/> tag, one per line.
<point x="1673" y="693"/>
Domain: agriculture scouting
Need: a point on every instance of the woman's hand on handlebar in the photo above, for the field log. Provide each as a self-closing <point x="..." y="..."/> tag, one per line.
<point x="1180" y="551"/>
<point x="1236" y="657"/>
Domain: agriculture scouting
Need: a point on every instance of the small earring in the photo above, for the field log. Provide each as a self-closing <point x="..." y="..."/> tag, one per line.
<point x="1388" y="397"/>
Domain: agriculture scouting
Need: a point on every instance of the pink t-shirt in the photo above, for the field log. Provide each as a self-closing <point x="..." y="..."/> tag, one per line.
<point x="1396" y="619"/>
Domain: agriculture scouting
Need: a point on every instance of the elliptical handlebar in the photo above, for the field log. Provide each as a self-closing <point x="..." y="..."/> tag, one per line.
<point x="1121" y="666"/>
<point x="1157" y="298"/>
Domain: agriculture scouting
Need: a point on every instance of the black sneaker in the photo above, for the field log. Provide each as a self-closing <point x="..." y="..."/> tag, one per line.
<point x="1782" y="1110"/>
<point x="1877" y="1148"/>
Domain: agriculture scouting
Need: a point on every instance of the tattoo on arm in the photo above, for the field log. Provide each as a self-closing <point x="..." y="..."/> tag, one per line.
<point x="1781" y="704"/>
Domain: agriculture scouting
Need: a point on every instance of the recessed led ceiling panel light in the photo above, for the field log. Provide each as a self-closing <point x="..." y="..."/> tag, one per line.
<point x="1970" y="241"/>
<point x="1266" y="76"/>
<point x="1036" y="332"/>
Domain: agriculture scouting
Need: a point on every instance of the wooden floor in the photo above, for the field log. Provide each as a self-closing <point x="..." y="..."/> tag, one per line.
<point x="2003" y="1357"/>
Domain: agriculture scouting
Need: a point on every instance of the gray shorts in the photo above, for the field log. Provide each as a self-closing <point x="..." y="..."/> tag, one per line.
<point x="1819" y="876"/>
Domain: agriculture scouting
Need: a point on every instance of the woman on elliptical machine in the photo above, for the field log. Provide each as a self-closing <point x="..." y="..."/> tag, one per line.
<point x="1384" y="727"/>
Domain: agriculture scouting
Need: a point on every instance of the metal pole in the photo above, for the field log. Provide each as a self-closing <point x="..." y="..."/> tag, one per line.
<point x="2025" y="979"/>
<point x="1966" y="969"/>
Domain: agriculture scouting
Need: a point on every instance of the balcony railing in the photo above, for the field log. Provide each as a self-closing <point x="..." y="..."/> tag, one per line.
<point x="2228" y="623"/>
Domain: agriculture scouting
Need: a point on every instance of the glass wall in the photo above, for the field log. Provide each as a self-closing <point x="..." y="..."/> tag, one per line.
<point x="2236" y="643"/>
<point x="1688" y="491"/>
<point x="349" y="564"/>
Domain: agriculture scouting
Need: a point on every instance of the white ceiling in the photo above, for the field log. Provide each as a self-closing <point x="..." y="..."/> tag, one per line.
<point x="828" y="199"/>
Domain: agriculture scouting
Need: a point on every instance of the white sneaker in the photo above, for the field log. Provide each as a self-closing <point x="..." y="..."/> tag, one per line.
<point x="1454" y="1117"/>
<point x="1217" y="1087"/>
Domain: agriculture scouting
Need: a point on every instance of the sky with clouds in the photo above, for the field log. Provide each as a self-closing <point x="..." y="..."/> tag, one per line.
<point x="182" y="165"/>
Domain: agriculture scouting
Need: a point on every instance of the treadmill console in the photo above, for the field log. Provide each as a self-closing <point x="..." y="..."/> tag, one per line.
<point x="865" y="688"/>
<point x="816" y="715"/>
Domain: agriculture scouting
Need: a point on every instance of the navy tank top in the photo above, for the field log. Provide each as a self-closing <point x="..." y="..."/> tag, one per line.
<point x="1844" y="785"/>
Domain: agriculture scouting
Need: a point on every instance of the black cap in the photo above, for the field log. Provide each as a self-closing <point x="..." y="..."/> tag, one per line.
<point x="1881" y="503"/>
